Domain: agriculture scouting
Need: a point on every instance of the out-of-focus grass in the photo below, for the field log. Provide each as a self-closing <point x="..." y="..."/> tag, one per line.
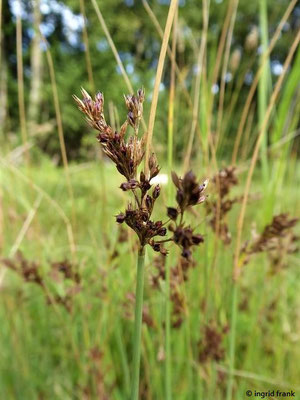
<point x="46" y="351"/>
<point x="50" y="353"/>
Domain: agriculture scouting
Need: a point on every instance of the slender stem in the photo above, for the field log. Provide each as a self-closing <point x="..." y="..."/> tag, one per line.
<point x="124" y="361"/>
<point x="168" y="362"/>
<point x="20" y="77"/>
<point x="232" y="340"/>
<point x="168" y="369"/>
<point x="263" y="86"/>
<point x="164" y="241"/>
<point x="138" y="324"/>
<point x="160" y="65"/>
<point x="136" y="198"/>
<point x="86" y="45"/>
<point x="166" y="222"/>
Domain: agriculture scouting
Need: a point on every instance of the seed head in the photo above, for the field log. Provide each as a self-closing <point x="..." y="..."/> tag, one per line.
<point x="134" y="105"/>
<point x="120" y="218"/>
<point x="156" y="192"/>
<point x="172" y="213"/>
<point x="189" y="192"/>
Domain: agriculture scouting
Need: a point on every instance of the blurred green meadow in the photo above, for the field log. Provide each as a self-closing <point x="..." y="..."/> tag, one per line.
<point x="67" y="273"/>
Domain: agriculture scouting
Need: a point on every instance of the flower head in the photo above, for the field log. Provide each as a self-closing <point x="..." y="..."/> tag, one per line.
<point x="134" y="105"/>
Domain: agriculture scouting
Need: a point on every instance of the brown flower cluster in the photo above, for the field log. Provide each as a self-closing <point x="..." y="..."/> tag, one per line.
<point x="127" y="155"/>
<point x="30" y="271"/>
<point x="225" y="180"/>
<point x="189" y="193"/>
<point x="134" y="105"/>
<point x="211" y="344"/>
<point x="178" y="275"/>
<point x="61" y="270"/>
<point x="277" y="239"/>
<point x="219" y="208"/>
<point x="128" y="306"/>
<point x="96" y="386"/>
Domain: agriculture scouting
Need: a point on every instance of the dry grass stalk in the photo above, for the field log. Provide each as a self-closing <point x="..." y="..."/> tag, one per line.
<point x="179" y="74"/>
<point x="59" y="122"/>
<point x="51" y="201"/>
<point x="86" y="45"/>
<point x="158" y="76"/>
<point x="196" y="102"/>
<point x="224" y="70"/>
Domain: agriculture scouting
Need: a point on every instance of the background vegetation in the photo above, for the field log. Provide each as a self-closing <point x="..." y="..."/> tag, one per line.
<point x="66" y="320"/>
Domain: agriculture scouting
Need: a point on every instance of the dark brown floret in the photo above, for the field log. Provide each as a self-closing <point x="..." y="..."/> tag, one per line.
<point x="130" y="185"/>
<point x="134" y="105"/>
<point x="172" y="213"/>
<point x="189" y="191"/>
<point x="153" y="166"/>
<point x="120" y="218"/>
<point x="184" y="237"/>
<point x="156" y="192"/>
<point x="162" y="232"/>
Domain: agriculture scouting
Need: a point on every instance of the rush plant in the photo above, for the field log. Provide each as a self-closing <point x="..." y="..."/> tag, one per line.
<point x="127" y="152"/>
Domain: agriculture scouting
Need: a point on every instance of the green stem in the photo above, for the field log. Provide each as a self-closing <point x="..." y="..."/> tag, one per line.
<point x="138" y="324"/>
<point x="263" y="87"/>
<point x="232" y="340"/>
<point x="168" y="371"/>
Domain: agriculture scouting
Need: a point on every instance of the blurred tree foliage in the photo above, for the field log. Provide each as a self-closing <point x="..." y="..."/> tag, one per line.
<point x="138" y="44"/>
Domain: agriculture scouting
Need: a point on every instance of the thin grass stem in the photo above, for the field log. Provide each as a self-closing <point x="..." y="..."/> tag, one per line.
<point x="168" y="361"/>
<point x="87" y="48"/>
<point x="232" y="340"/>
<point x="224" y="71"/>
<point x="179" y="74"/>
<point x="115" y="51"/>
<point x="59" y="125"/>
<point x="138" y="324"/>
<point x="50" y="200"/>
<point x="21" y="101"/>
<point x="263" y="87"/>
<point x="161" y="60"/>
<point x="200" y="62"/>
